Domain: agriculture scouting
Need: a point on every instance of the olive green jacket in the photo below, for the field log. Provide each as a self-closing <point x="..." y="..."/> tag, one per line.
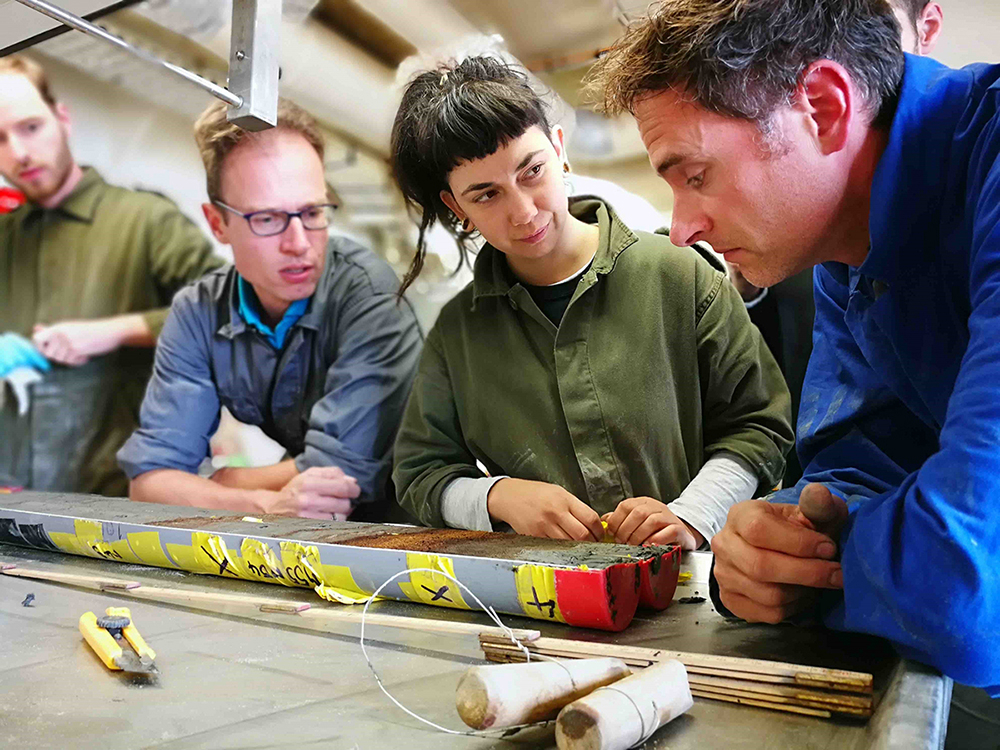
<point x="104" y="251"/>
<point x="654" y="367"/>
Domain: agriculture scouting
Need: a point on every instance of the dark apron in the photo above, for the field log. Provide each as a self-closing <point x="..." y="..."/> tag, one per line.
<point x="77" y="420"/>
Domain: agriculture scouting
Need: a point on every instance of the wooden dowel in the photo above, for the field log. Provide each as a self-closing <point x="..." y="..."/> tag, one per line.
<point x="316" y="615"/>
<point x="627" y="713"/>
<point x="512" y="694"/>
<point x="72" y="579"/>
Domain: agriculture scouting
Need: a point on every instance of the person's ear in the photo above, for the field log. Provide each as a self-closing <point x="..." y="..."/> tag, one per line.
<point x="558" y="138"/>
<point x="828" y="100"/>
<point x="61" y="111"/>
<point x="449" y="200"/>
<point x="929" y="27"/>
<point x="216" y="222"/>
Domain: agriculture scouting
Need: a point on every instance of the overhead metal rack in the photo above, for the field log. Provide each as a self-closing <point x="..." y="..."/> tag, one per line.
<point x="252" y="93"/>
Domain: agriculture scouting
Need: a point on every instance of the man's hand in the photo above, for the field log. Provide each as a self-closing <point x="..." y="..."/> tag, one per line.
<point x="821" y="510"/>
<point x="74" y="342"/>
<point x="543" y="509"/>
<point x="320" y="492"/>
<point x="771" y="559"/>
<point x="16" y="351"/>
<point x="642" y="520"/>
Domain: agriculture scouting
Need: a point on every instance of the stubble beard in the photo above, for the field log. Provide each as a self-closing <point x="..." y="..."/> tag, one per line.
<point x="62" y="168"/>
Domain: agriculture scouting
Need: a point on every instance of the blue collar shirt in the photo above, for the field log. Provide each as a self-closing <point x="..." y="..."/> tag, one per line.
<point x="900" y="409"/>
<point x="249" y="308"/>
<point x="328" y="383"/>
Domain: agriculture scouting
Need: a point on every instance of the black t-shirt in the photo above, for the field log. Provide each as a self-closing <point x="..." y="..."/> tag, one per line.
<point x="553" y="300"/>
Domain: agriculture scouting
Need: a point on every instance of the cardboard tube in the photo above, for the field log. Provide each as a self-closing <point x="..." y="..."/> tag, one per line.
<point x="510" y="694"/>
<point x="626" y="713"/>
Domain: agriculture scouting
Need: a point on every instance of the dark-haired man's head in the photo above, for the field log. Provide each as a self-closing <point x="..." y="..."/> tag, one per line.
<point x="764" y="117"/>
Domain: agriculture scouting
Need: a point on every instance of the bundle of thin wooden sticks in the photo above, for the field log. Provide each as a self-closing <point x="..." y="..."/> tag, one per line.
<point x="794" y="688"/>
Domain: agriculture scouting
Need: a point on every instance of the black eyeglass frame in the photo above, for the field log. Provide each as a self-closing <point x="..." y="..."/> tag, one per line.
<point x="289" y="215"/>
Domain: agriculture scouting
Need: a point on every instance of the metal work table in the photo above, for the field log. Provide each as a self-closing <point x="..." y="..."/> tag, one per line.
<point x="228" y="683"/>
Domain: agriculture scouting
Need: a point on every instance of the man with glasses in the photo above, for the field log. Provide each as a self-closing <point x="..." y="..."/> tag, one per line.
<point x="303" y="336"/>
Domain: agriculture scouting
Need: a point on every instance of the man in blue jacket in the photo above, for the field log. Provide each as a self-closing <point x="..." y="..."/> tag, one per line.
<point x="796" y="134"/>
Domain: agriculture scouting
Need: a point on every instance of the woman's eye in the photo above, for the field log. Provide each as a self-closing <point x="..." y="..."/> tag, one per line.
<point x="535" y="170"/>
<point x="485" y="196"/>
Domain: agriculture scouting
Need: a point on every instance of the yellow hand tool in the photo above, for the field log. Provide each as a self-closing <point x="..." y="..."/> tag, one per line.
<point x="107" y="634"/>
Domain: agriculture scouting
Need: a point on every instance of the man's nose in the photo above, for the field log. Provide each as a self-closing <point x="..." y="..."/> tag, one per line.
<point x="295" y="239"/>
<point x="16" y="148"/>
<point x="688" y="224"/>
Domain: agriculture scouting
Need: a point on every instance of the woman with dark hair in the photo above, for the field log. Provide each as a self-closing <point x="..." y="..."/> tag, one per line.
<point x="588" y="368"/>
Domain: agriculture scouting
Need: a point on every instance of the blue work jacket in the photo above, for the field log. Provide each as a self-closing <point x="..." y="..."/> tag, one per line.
<point x="332" y="395"/>
<point x="900" y="409"/>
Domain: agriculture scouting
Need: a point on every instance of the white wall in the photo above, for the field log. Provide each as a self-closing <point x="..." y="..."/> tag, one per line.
<point x="971" y="32"/>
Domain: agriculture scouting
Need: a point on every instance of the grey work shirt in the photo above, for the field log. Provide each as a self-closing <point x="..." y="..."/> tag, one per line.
<point x="333" y="395"/>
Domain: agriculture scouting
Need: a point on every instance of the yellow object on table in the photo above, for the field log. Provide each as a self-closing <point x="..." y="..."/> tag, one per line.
<point x="107" y="635"/>
<point x="609" y="538"/>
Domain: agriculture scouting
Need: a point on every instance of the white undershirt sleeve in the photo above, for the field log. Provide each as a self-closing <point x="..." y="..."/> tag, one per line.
<point x="724" y="480"/>
<point x="463" y="502"/>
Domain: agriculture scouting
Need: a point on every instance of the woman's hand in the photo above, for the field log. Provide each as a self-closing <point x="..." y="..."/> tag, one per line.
<point x="643" y="520"/>
<point x="543" y="509"/>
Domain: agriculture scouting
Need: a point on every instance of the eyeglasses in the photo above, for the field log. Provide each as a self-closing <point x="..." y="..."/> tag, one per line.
<point x="272" y="222"/>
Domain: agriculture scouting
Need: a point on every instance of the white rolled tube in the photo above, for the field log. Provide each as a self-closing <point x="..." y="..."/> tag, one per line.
<point x="622" y="715"/>
<point x="510" y="694"/>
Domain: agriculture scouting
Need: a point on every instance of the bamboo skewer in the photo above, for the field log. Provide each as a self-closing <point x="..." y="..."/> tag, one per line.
<point x="781" y="692"/>
<point x="801" y="700"/>
<point x="822" y="714"/>
<point x="569" y="650"/>
<point x="639" y="656"/>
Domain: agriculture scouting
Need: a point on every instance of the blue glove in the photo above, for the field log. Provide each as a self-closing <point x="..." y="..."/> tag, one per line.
<point x="16" y="351"/>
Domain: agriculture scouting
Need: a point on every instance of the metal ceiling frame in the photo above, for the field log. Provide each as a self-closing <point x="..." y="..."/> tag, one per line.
<point x="252" y="95"/>
<point x="44" y="36"/>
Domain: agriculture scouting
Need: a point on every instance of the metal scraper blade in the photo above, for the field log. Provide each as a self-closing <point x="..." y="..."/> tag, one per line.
<point x="129" y="662"/>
